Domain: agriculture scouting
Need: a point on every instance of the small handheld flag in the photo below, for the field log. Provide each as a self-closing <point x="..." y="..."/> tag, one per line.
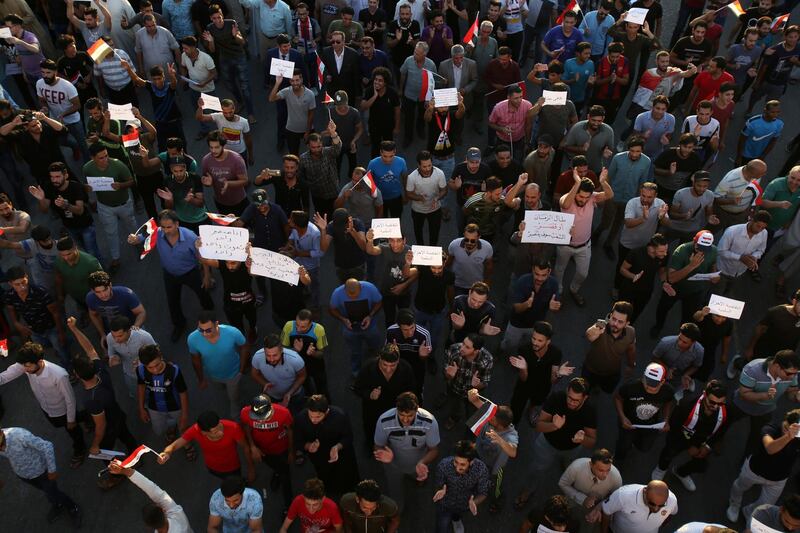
<point x="99" y="50"/>
<point x="736" y="8"/>
<point x="427" y="87"/>
<point x="137" y="454"/>
<point x="472" y="31"/>
<point x="320" y="71"/>
<point x="327" y="100"/>
<point x="779" y="22"/>
<point x="222" y="220"/>
<point x="150" y="229"/>
<point x="3" y="347"/>
<point x="370" y="181"/>
<point x="131" y="139"/>
<point x="572" y="6"/>
<point x="481" y="417"/>
<point x="755" y="187"/>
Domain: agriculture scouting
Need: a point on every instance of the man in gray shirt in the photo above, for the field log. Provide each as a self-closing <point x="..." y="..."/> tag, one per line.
<point x="355" y="196"/>
<point x="300" y="105"/>
<point x="691" y="208"/>
<point x="155" y="46"/>
<point x="470" y="259"/>
<point x="643" y="214"/>
<point x="124" y="342"/>
<point x="682" y="356"/>
<point x="783" y="518"/>
<point x="591" y="138"/>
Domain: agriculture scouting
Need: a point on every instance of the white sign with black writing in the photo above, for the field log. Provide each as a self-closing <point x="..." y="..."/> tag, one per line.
<point x="100" y="183"/>
<point x="445" y="97"/>
<point x="427" y="255"/>
<point x="121" y="112"/>
<point x="279" y="67"/>
<point x="273" y="265"/>
<point x="386" y="228"/>
<point x="549" y="227"/>
<point x="727" y="307"/>
<point x="554" y="97"/>
<point x="224" y="242"/>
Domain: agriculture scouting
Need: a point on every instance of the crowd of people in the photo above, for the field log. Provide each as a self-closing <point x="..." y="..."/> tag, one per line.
<point x="93" y="140"/>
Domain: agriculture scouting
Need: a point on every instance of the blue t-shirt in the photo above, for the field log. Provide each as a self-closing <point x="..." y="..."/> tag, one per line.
<point x="356" y="309"/>
<point x="237" y="520"/>
<point x="578" y="88"/>
<point x="645" y="122"/>
<point x="598" y="32"/>
<point x="555" y="39"/>
<point x="387" y="177"/>
<point x="759" y="134"/>
<point x="283" y="375"/>
<point x="122" y="303"/>
<point x="221" y="359"/>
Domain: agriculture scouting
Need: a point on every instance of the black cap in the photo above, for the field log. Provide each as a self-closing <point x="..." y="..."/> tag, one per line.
<point x="261" y="407"/>
<point x="259" y="197"/>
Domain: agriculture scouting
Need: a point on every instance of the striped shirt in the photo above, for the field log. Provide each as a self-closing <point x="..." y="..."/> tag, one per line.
<point x="409" y="347"/>
<point x="409" y="443"/>
<point x="162" y="391"/>
<point x="110" y="69"/>
<point x="29" y="455"/>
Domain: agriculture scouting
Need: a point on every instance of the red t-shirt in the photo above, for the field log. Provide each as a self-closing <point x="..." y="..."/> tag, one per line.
<point x="271" y="436"/>
<point x="323" y="521"/>
<point x="220" y="455"/>
<point x="565" y="181"/>
<point x="723" y="116"/>
<point x="708" y="87"/>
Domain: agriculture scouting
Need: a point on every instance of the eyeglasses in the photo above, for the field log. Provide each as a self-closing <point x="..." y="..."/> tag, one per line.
<point x="205" y="330"/>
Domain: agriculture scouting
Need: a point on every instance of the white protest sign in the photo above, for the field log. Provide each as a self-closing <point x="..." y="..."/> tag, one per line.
<point x="659" y="426"/>
<point x="703" y="277"/>
<point x="224" y="242"/>
<point x="273" y="265"/>
<point x="188" y="80"/>
<point x="545" y="529"/>
<point x="99" y="183"/>
<point x="121" y="112"/>
<point x="279" y="67"/>
<point x="636" y="15"/>
<point x="386" y="228"/>
<point x="5" y="32"/>
<point x="758" y="527"/>
<point x="727" y="307"/>
<point x="549" y="227"/>
<point x="427" y="255"/>
<point x="445" y="97"/>
<point x="211" y="102"/>
<point x="106" y="455"/>
<point x="554" y="97"/>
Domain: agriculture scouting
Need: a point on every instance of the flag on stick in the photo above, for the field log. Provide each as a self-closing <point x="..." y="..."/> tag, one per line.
<point x="736" y="8"/>
<point x="481" y="417"/>
<point x="472" y="31"/>
<point x="137" y="454"/>
<point x="222" y="220"/>
<point x="370" y="181"/>
<point x="572" y="6"/>
<point x="150" y="229"/>
<point x="99" y="50"/>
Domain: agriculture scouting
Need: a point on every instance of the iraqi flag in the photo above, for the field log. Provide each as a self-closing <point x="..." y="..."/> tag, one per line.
<point x="779" y="22"/>
<point x="522" y="86"/>
<point x="572" y="6"/>
<point x="755" y="187"/>
<point x="131" y="140"/>
<point x="370" y="181"/>
<point x="99" y="50"/>
<point x="320" y="71"/>
<point x="472" y="31"/>
<point x="736" y="8"/>
<point x="150" y="229"/>
<point x="327" y="100"/>
<point x="481" y="417"/>
<point x="137" y="454"/>
<point x="3" y="347"/>
<point x="222" y="220"/>
<point x="427" y="86"/>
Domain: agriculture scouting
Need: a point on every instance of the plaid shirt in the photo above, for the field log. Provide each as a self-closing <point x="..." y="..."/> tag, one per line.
<point x="321" y="175"/>
<point x="482" y="364"/>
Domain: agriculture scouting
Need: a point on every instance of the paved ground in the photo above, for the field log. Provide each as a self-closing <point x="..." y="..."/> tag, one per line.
<point x="191" y="486"/>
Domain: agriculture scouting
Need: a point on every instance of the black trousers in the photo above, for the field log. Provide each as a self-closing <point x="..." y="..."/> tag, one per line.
<point x="642" y="439"/>
<point x="689" y="304"/>
<point x="323" y="206"/>
<point x="76" y="433"/>
<point x="434" y="225"/>
<point x="293" y="141"/>
<point x="392" y="303"/>
<point x="521" y="397"/>
<point x="125" y="95"/>
<point x="351" y="161"/>
<point x="279" y="463"/>
<point x="51" y="490"/>
<point x="413" y="115"/>
<point x="237" y="312"/>
<point x="606" y="383"/>
<point x="173" y="285"/>
<point x="754" y="431"/>
<point x="639" y="299"/>
<point x="147" y="186"/>
<point x="676" y="443"/>
<point x="393" y="208"/>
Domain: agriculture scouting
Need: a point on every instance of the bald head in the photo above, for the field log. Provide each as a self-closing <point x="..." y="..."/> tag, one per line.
<point x="352" y="287"/>
<point x="755" y="169"/>
<point x="657" y="491"/>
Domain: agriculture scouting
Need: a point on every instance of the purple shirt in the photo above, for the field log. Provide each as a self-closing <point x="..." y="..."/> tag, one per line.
<point x="555" y="39"/>
<point x="229" y="169"/>
<point x="439" y="51"/>
<point x="29" y="61"/>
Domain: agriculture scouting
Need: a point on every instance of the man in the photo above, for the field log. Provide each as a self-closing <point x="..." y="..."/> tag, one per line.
<point x="33" y="461"/>
<point x="473" y="313"/>
<point x="235" y="507"/>
<point x="297" y="116"/>
<point x="470" y="258"/>
<point x="162" y="512"/>
<point x="162" y="396"/>
<point x="579" y="75"/>
<point x="355" y="304"/>
<point x="357" y="198"/>
<point x="113" y="80"/>
<point x="318" y="170"/>
<point x="315" y="511"/>
<point x="655" y="127"/>
<point x="742" y="59"/>
<point x="512" y="121"/>
<point x="349" y="241"/>
<point x="733" y="197"/>
<point x="106" y="302"/>
<point x="414" y="344"/>
<point x="462" y="482"/>
<point x="374" y="19"/>
<point x="51" y="387"/>
<point x="768" y="466"/>
<point x="565" y="180"/>
<point x="591" y="138"/>
<point x="587" y="482"/>
<point x="352" y="31"/>
<point x="308" y="339"/>
<point x="235" y="129"/>
<point x="199" y="67"/>
<point x="413" y="74"/>
<point x="90" y="27"/>
<point x="219" y="354"/>
<point x="538" y="166"/>
<point x="406" y="442"/>
<point x="534" y="294"/>
<point x="390" y="172"/>
<point x="306" y="37"/>
<point x="268" y="430"/>
<point x="426" y="187"/>
<point x="613" y="79"/>
<point x="281" y="372"/>
<point x="568" y="422"/>
<point x="781" y="200"/>
<point x="40" y="254"/>
<point x="367" y="510"/>
<point x="441" y="141"/>
<point x="580" y="201"/>
<point x="499" y="75"/>
<point x="674" y="166"/>
<point x="226" y="172"/>
<point x="467" y="365"/>
<point x="697" y="426"/>
<point x="59" y="99"/>
<point x="692" y="208"/>
<point x="381" y="102"/>
<point x="155" y="46"/>
<point x="638" y="270"/>
<point x="222" y="37"/>
<point x="611" y="339"/>
<point x="460" y="73"/>
<point x="707" y="84"/>
<point x="646" y="403"/>
<point x="341" y="67"/>
<point x="35" y="315"/>
<point x="760" y="133"/>
<point x="776" y="68"/>
<point x="630" y="508"/>
<point x="439" y="37"/>
<point x="595" y="26"/>
<point x="304" y="245"/>
<point x="179" y="261"/>
<point x="561" y="41"/>
<point x="642" y="217"/>
<point x="693" y="49"/>
<point x="123" y="342"/>
<point x="291" y="193"/>
<point x="741" y="248"/>
<point x="402" y="35"/>
<point x="786" y="517"/>
<point x="682" y="356"/>
<point x="483" y="51"/>
<point x="72" y="269"/>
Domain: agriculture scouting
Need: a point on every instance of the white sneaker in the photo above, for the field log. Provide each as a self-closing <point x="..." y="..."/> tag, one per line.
<point x="732" y="512"/>
<point x="731" y="370"/>
<point x="458" y="526"/>
<point x="657" y="473"/>
<point x="678" y="395"/>
<point x="691" y="386"/>
<point x="621" y="146"/>
<point x="686" y="481"/>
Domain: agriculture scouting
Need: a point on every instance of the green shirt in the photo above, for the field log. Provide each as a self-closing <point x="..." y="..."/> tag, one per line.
<point x="777" y="191"/>
<point x="115" y="149"/>
<point x="76" y="278"/>
<point x="680" y="258"/>
<point x="186" y="211"/>
<point x="120" y="172"/>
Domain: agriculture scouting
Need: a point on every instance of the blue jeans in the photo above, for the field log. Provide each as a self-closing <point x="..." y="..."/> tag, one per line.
<point x="355" y="341"/>
<point x="50" y="488"/>
<point x="77" y="139"/>
<point x="235" y="72"/>
<point x="109" y="219"/>
<point x="445" y="165"/>
<point x="50" y="338"/>
<point x="88" y="237"/>
<point x="444" y="518"/>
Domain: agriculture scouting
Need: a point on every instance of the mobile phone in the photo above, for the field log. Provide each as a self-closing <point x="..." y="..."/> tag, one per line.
<point x="601" y="323"/>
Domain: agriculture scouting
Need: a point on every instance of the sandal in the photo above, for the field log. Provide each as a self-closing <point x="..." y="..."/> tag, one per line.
<point x="191" y="453"/>
<point x="522" y="500"/>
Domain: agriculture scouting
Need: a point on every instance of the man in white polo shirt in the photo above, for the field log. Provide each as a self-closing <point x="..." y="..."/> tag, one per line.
<point x="639" y="508"/>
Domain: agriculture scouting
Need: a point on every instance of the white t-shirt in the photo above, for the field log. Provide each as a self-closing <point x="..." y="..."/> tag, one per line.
<point x="427" y="187"/>
<point x="57" y="97"/>
<point x="232" y="131"/>
<point x="631" y="514"/>
<point x="696" y="527"/>
<point x="707" y="131"/>
<point x="199" y="70"/>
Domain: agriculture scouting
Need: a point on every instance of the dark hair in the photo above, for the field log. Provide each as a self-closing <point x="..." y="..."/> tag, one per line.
<point x="717" y="388"/>
<point x="424" y="155"/>
<point x="231" y="486"/>
<point x="555" y="67"/>
<point x="472" y="228"/>
<point x="49" y="64"/>
<point x="657" y="240"/>
<point x="207" y="315"/>
<point x="504" y="415"/>
<point x="282" y="39"/>
<point x="476" y="340"/>
<point x="705" y="104"/>
<point x="556" y="509"/>
<point x="387" y="77"/>
<point x="727" y="86"/>
<point x="493" y="183"/>
<point x="504" y="51"/>
<point x="792" y="417"/>
<point x="291" y="157"/>
<point x="786" y="359"/>
<point x="189" y="40"/>
<point x="168" y="214"/>
<point x="96" y="148"/>
<point x="687" y="138"/>
<point x="213" y="9"/>
<point x="602" y="455"/>
<point x="514" y="89"/>
<point x="318" y="403"/>
<point x="586" y="185"/>
<point x="299" y="218"/>
<point x="700" y="24"/>
<point x="616" y="47"/>
<point x="65" y="243"/>
<point x="405" y="317"/>
<point x="304" y="314"/>
<point x="16" y="272"/>
<point x="389" y="353"/>
<point x="30" y="352"/>
<point x="369" y="490"/>
<point x="156" y="70"/>
<point x="175" y="142"/>
<point x="752" y="30"/>
<point x="791" y="504"/>
<point x="579" y="161"/>
<point x="626" y="308"/>
<point x="597" y="111"/>
<point x="347" y="10"/>
<point x="4" y="199"/>
<point x="690" y="330"/>
<point x="84" y="368"/>
<point x="579" y="385"/>
<point x="466" y="450"/>
<point x="720" y="61"/>
<point x="701" y="175"/>
<point x="582" y="46"/>
<point x="406" y="401"/>
<point x="479" y="287"/>
<point x="569" y="14"/>
<point x="13" y="18"/>
<point x="762" y="216"/>
<point x="40" y="233"/>
<point x="207" y="420"/>
<point x="388" y="146"/>
<point x="661" y="99"/>
<point x="216" y="136"/>
<point x="543" y="328"/>
<point x="502" y="147"/>
<point x="99" y="279"/>
<point x="149" y="353"/>
<point x="153" y="516"/>
<point x="542" y="263"/>
<point x="93" y="103"/>
<point x="314" y="489"/>
<point x="272" y="340"/>
<point x="635" y="140"/>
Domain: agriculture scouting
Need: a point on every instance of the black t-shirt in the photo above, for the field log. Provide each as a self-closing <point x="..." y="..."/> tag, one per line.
<point x="749" y="18"/>
<point x="100" y="398"/>
<point x="499" y="25"/>
<point x="641" y="261"/>
<point x="402" y="50"/>
<point x="470" y="183"/>
<point x="295" y="198"/>
<point x="377" y="18"/>
<point x="508" y="175"/>
<point x="574" y="421"/>
<point x="654" y="12"/>
<point x="538" y="384"/>
<point x="70" y="68"/>
<point x="432" y="290"/>
<point x="162" y="391"/>
<point x="200" y="14"/>
<point x="684" y="168"/>
<point x="237" y="284"/>
<point x="778" y="64"/>
<point x="436" y="127"/>
<point x="381" y="112"/>
<point x="473" y="318"/>
<point x="287" y="300"/>
<point x="711" y="333"/>
<point x="165" y="106"/>
<point x="783" y="332"/>
<point x="371" y="377"/>
<point x="778" y="466"/>
<point x="695" y="53"/>
<point x="40" y="154"/>
<point x="639" y="406"/>
<point x="73" y="193"/>
<point x="346" y="251"/>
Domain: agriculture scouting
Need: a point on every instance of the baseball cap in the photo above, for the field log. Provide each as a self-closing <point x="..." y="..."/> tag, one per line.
<point x="259" y="197"/>
<point x="545" y="139"/>
<point x="704" y="240"/>
<point x="654" y="374"/>
<point x="261" y="407"/>
<point x="474" y="154"/>
<point x="340" y="97"/>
